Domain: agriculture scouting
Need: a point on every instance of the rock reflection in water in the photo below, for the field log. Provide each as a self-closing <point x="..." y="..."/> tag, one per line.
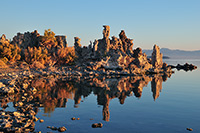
<point x="55" y="92"/>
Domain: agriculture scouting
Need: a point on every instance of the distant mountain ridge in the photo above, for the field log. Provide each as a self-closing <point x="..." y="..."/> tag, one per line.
<point x="177" y="54"/>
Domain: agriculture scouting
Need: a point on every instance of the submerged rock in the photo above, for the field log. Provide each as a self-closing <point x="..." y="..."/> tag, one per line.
<point x="189" y="129"/>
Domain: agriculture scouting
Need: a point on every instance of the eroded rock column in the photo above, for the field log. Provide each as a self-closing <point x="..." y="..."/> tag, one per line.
<point x="77" y="46"/>
<point x="157" y="57"/>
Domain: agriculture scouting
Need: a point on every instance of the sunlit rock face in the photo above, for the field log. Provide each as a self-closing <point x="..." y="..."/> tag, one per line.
<point x="157" y="57"/>
<point x="104" y="44"/>
<point x="126" y="43"/>
<point x="3" y="39"/>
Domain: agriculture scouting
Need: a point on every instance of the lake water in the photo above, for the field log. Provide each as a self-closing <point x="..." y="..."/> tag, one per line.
<point x="127" y="104"/>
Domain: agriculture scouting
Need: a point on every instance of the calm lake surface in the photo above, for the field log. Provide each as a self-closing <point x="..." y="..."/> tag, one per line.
<point x="127" y="104"/>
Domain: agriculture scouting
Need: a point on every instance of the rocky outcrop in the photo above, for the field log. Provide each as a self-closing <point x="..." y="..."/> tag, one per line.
<point x="33" y="39"/>
<point x="27" y="39"/>
<point x="118" y="54"/>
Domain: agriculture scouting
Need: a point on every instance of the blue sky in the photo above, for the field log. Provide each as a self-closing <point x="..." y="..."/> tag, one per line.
<point x="171" y="24"/>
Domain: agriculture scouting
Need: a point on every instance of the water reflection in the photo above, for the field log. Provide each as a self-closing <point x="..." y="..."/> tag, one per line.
<point x="55" y="91"/>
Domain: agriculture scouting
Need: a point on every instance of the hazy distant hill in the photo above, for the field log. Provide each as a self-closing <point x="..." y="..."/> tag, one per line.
<point x="177" y="54"/>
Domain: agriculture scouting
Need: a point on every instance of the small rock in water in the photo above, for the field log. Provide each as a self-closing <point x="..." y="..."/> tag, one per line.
<point x="73" y="118"/>
<point x="189" y="129"/>
<point x="53" y="128"/>
<point x="96" y="125"/>
<point x="100" y="125"/>
<point x="62" y="129"/>
<point x="41" y="121"/>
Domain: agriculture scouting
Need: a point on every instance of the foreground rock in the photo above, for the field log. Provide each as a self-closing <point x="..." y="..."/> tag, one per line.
<point x="16" y="121"/>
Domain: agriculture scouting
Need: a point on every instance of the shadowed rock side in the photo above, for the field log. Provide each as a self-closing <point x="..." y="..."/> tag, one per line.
<point x="117" y="56"/>
<point x="30" y="92"/>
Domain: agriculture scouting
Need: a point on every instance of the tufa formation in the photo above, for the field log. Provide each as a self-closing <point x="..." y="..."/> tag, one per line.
<point x="117" y="55"/>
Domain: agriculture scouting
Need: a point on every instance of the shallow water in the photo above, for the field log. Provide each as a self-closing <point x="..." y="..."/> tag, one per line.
<point x="127" y="104"/>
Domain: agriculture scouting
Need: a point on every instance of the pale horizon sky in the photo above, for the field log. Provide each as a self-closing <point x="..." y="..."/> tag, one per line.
<point x="173" y="24"/>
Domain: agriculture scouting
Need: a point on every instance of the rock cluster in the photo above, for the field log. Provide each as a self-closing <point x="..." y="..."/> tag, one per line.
<point x="118" y="54"/>
<point x="27" y="39"/>
<point x="60" y="129"/>
<point x="33" y="39"/>
<point x="16" y="122"/>
<point x="23" y="119"/>
<point x="185" y="67"/>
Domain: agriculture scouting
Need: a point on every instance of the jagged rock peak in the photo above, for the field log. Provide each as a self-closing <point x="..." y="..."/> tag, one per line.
<point x="3" y="39"/>
<point x="106" y="32"/>
<point x="137" y="52"/>
<point x="157" y="57"/>
<point x="77" y="41"/>
<point x="122" y="35"/>
<point x="127" y="42"/>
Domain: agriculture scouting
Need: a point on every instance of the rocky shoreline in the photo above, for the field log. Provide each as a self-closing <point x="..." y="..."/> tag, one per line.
<point x="19" y="82"/>
<point x="27" y="84"/>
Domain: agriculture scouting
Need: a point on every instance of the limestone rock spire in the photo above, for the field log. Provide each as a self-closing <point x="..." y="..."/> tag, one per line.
<point x="157" y="57"/>
<point x="106" y="32"/>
